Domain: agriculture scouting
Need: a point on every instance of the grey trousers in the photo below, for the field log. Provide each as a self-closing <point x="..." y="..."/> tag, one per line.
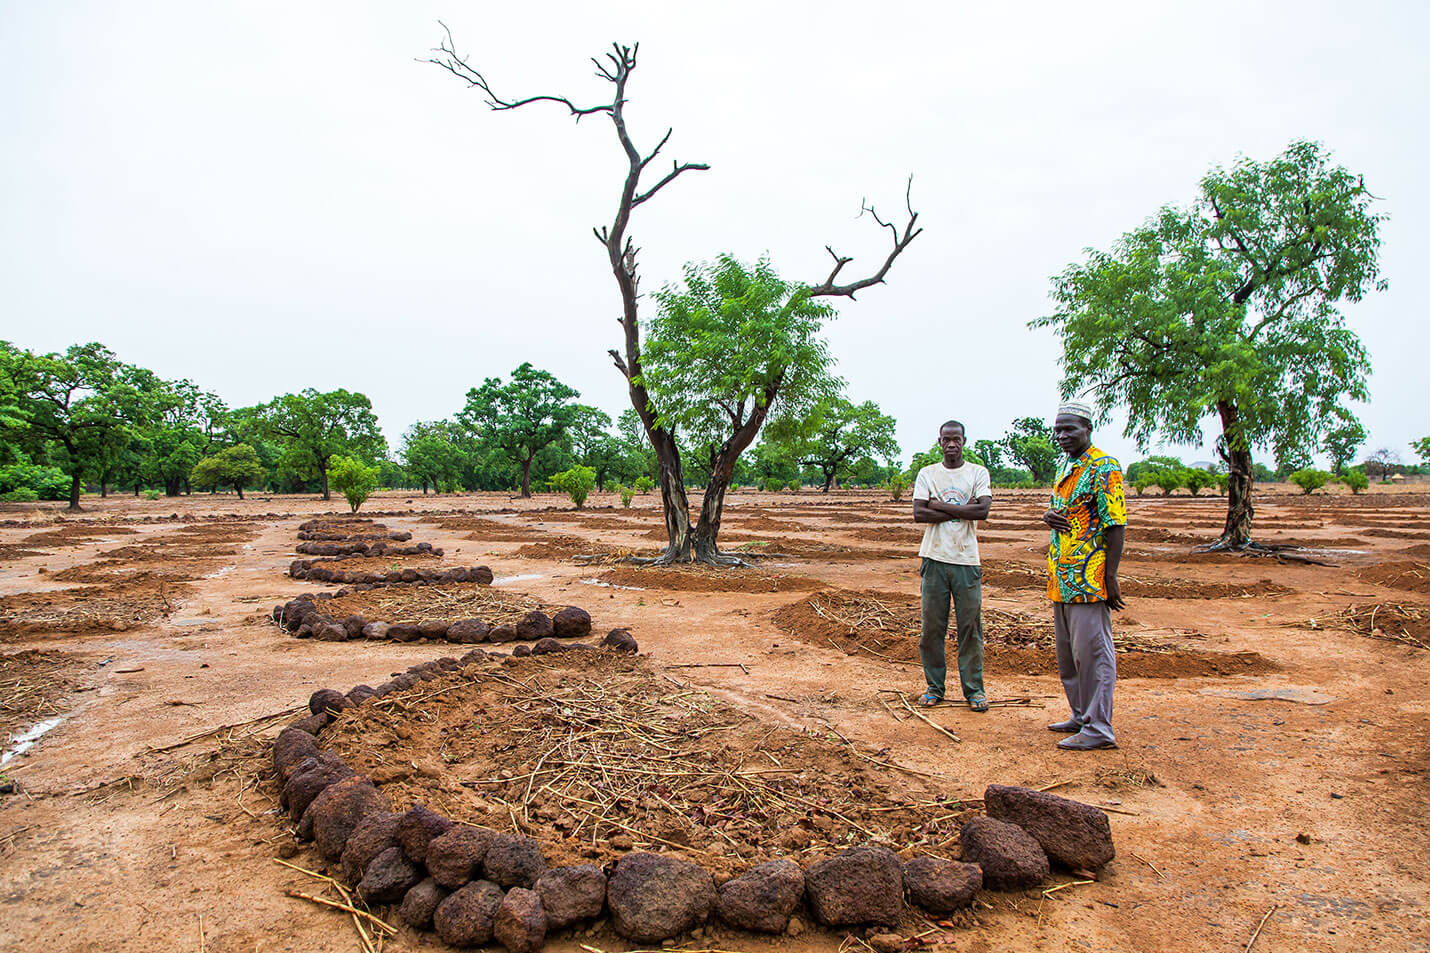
<point x="1087" y="663"/>
<point x="964" y="585"/>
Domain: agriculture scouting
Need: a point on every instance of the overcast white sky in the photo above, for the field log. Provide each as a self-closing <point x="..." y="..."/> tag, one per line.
<point x="264" y="197"/>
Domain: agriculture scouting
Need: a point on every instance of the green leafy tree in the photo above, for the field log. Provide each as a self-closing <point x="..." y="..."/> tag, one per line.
<point x="1228" y="308"/>
<point x="431" y="454"/>
<point x="34" y="481"/>
<point x="732" y="347"/>
<point x="79" y="408"/>
<point x="1341" y="444"/>
<point x="1157" y="462"/>
<point x="314" y="427"/>
<point x="896" y="485"/>
<point x="685" y="543"/>
<point x="1310" y="480"/>
<point x="237" y="466"/>
<point x="184" y="424"/>
<point x="522" y="415"/>
<point x="1422" y="448"/>
<point x="576" y="483"/>
<point x="1143" y="480"/>
<point x="1029" y="443"/>
<point x="352" y="478"/>
<point x="644" y="485"/>
<point x="923" y="459"/>
<point x="835" y="434"/>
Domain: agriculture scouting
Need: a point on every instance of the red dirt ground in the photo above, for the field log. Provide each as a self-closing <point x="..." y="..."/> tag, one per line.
<point x="144" y="820"/>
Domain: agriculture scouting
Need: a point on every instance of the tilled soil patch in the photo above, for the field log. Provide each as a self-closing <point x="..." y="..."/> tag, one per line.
<point x="1015" y="576"/>
<point x="31" y="684"/>
<point x="117" y="606"/>
<point x="1393" y="534"/>
<point x="738" y="545"/>
<point x="1393" y="622"/>
<point x="76" y="535"/>
<point x="887" y="626"/>
<point x="11" y="551"/>
<point x="701" y="578"/>
<point x="436" y="603"/>
<point x="593" y="755"/>
<point x="1400" y="574"/>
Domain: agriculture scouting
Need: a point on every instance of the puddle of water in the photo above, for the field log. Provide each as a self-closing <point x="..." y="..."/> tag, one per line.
<point x="505" y="579"/>
<point x="220" y="572"/>
<point x="24" y="742"/>
<point x="190" y="621"/>
<point x="610" y="585"/>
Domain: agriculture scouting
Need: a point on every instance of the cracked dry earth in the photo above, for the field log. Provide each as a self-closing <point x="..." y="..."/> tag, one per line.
<point x="1291" y="781"/>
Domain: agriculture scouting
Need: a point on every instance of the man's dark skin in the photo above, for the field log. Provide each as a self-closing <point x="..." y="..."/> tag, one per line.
<point x="950" y="441"/>
<point x="1073" y="435"/>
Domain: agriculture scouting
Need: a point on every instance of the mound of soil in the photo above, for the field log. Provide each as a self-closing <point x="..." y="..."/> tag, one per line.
<point x="76" y="535"/>
<point x="117" y="606"/>
<point x="1419" y="549"/>
<point x="804" y="549"/>
<point x="701" y="578"/>
<point x="1148" y="588"/>
<point x="886" y="626"/>
<point x="448" y="603"/>
<point x="590" y="754"/>
<point x="9" y="552"/>
<point x="1380" y="533"/>
<point x="1400" y="574"/>
<point x="564" y="547"/>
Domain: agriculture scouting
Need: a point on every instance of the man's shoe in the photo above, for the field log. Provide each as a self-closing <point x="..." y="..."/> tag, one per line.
<point x="1070" y="727"/>
<point x="1085" y="742"/>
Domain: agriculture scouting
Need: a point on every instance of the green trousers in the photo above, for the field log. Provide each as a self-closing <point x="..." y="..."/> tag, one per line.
<point x="964" y="584"/>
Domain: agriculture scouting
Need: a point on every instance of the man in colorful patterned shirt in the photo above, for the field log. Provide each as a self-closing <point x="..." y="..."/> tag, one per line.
<point x="1087" y="516"/>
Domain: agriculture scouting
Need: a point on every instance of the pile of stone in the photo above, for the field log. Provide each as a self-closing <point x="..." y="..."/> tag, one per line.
<point x="474" y="885"/>
<point x="328" y="535"/>
<point x="304" y="618"/>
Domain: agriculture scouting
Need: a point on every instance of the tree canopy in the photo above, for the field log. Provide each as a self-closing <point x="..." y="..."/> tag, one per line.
<point x="522" y="415"/>
<point x="1228" y="308"/>
<point x="315" y="427"/>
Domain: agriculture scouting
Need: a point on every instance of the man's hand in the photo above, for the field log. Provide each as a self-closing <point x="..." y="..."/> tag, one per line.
<point x="1058" y="521"/>
<point x="1114" y="593"/>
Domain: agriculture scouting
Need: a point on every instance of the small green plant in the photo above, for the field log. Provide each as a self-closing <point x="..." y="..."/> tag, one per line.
<point x="21" y="494"/>
<point x="1356" y="480"/>
<point x="151" y="494"/>
<point x="353" y="479"/>
<point x="1309" y="480"/>
<point x="627" y="493"/>
<point x="576" y="483"/>
<point x="644" y="485"/>
<point x="772" y="484"/>
<point x="896" y="484"/>
<point x="794" y="486"/>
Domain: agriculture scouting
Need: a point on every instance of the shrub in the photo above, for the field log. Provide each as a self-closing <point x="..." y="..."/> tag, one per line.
<point x="47" y="483"/>
<point x="1356" y="480"/>
<point x="1168" y="479"/>
<point x="1196" y="479"/>
<point x="151" y="494"/>
<point x="644" y="485"/>
<point x="233" y="466"/>
<point x="772" y="484"/>
<point x="1309" y="480"/>
<point x="1143" y="480"/>
<point x="575" y="483"/>
<point x="21" y="494"/>
<point x="627" y="493"/>
<point x="353" y="479"/>
<point x="794" y="486"/>
<point x="1222" y="482"/>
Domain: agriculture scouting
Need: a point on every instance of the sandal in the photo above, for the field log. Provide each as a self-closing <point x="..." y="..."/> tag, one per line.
<point x="928" y="700"/>
<point x="978" y="703"/>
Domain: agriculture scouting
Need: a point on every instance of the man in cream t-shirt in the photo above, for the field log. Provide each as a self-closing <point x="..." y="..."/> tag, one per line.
<point x="949" y="498"/>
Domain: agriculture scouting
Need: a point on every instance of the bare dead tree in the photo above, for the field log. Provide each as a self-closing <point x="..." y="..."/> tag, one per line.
<point x="686" y="543"/>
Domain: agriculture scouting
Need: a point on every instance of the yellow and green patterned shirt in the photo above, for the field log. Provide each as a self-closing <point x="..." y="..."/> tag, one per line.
<point x="1089" y="491"/>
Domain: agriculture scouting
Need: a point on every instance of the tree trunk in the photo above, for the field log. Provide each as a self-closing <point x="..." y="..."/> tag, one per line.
<point x="103" y="489"/>
<point x="327" y="494"/>
<point x="526" y="477"/>
<point x="673" y="500"/>
<point x="171" y="485"/>
<point x="1236" y="453"/>
<point x="74" y="493"/>
<point x="238" y="487"/>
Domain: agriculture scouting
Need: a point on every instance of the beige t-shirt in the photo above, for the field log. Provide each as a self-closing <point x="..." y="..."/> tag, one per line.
<point x="952" y="541"/>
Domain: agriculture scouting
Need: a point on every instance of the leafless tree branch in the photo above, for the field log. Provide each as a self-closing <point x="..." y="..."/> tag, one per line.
<point x="828" y="288"/>
<point x="457" y="65"/>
